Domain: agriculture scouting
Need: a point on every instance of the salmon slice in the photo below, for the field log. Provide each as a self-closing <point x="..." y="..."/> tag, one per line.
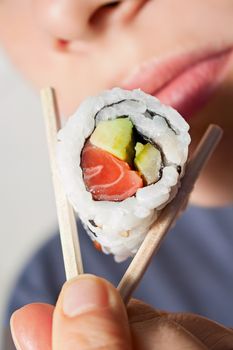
<point x="107" y="177"/>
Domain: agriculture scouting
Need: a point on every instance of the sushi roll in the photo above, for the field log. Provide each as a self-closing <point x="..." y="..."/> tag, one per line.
<point x="121" y="156"/>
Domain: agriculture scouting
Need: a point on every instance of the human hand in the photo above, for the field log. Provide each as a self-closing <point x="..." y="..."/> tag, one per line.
<point x="91" y="315"/>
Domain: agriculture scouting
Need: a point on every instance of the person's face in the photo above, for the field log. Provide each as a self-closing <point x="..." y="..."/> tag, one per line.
<point x="81" y="47"/>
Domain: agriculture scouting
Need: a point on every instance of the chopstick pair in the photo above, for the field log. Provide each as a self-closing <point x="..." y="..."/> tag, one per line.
<point x="66" y="218"/>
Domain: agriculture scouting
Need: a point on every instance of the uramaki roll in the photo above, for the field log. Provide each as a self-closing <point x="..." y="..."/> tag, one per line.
<point x="121" y="156"/>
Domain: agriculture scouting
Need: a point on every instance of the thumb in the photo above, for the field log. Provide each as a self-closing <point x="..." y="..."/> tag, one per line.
<point x="90" y="315"/>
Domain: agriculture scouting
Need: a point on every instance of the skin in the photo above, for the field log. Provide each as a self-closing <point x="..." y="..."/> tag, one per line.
<point x="82" y="47"/>
<point x="109" y="327"/>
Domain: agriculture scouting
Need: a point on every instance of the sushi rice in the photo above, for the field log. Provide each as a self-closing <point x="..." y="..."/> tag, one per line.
<point x="120" y="227"/>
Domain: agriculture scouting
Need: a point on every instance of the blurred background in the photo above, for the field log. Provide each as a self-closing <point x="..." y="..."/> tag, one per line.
<point x="27" y="207"/>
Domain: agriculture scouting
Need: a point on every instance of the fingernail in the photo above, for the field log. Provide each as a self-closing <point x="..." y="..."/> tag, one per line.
<point x="84" y="294"/>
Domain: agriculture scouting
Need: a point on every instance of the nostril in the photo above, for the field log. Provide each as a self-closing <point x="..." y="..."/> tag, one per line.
<point x="61" y="44"/>
<point x="112" y="4"/>
<point x="101" y="15"/>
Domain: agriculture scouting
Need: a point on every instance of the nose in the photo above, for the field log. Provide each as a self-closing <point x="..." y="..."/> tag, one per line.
<point x="70" y="20"/>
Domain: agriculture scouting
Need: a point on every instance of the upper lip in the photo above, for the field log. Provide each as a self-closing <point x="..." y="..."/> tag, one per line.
<point x="152" y="75"/>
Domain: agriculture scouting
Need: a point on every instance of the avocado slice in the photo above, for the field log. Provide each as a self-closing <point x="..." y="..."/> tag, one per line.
<point x="148" y="161"/>
<point x="116" y="137"/>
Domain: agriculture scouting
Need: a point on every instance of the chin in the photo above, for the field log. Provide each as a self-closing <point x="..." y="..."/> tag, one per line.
<point x="209" y="193"/>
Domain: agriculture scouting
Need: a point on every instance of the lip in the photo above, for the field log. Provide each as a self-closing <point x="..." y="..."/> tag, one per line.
<point x="185" y="81"/>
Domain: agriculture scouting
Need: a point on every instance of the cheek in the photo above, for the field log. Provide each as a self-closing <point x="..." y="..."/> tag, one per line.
<point x="215" y="186"/>
<point x="21" y="38"/>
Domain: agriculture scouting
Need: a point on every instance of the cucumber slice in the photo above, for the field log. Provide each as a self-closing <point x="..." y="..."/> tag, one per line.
<point x="138" y="148"/>
<point x="148" y="161"/>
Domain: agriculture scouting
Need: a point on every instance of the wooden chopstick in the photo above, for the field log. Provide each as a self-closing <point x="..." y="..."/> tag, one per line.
<point x="66" y="218"/>
<point x="158" y="231"/>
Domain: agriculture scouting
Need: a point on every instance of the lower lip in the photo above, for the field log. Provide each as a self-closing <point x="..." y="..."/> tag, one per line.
<point x="188" y="92"/>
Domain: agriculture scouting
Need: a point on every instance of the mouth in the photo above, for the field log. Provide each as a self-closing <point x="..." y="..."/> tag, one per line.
<point x="185" y="81"/>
